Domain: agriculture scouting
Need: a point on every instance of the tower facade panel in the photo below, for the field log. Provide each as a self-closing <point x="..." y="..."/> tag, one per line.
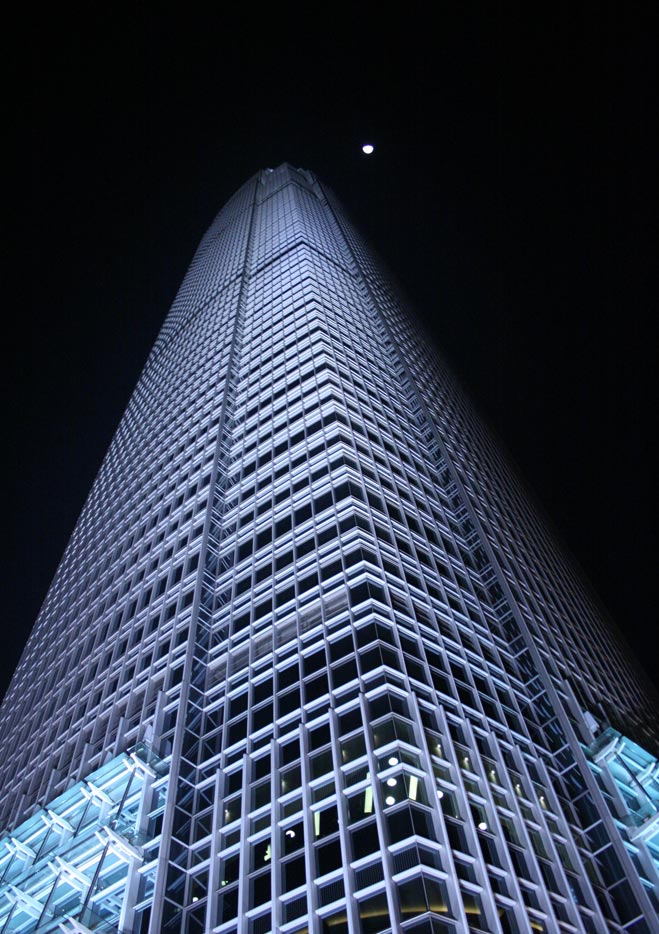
<point x="312" y="661"/>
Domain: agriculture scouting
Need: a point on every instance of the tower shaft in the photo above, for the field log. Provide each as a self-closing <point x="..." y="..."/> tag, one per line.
<point x="312" y="660"/>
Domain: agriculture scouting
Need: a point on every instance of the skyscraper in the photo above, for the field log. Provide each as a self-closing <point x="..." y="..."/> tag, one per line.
<point x="311" y="660"/>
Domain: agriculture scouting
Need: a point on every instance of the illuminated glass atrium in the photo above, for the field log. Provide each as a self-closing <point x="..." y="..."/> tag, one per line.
<point x="311" y="662"/>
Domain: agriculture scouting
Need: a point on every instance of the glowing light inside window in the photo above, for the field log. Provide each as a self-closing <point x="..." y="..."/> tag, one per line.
<point x="367" y="149"/>
<point x="389" y="800"/>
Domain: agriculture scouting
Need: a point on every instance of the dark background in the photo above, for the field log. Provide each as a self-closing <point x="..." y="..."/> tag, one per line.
<point x="511" y="192"/>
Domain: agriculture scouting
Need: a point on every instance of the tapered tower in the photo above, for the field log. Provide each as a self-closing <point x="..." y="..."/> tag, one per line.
<point x="312" y="662"/>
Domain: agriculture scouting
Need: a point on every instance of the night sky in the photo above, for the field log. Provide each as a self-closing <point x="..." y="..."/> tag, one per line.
<point x="511" y="192"/>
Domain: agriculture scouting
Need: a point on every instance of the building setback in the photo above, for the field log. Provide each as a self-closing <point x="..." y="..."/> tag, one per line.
<point x="311" y="661"/>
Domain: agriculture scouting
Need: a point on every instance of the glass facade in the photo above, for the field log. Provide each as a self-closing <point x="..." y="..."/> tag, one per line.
<point x="311" y="661"/>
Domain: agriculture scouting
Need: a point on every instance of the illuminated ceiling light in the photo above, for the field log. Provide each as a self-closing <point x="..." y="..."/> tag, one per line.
<point x="367" y="149"/>
<point x="393" y="760"/>
<point x="482" y="825"/>
<point x="290" y="833"/>
<point x="391" y="782"/>
<point x="390" y="799"/>
<point x="440" y="793"/>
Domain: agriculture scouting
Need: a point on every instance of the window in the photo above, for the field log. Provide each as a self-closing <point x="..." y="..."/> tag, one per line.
<point x="416" y="896"/>
<point x="374" y="914"/>
<point x="328" y="857"/>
